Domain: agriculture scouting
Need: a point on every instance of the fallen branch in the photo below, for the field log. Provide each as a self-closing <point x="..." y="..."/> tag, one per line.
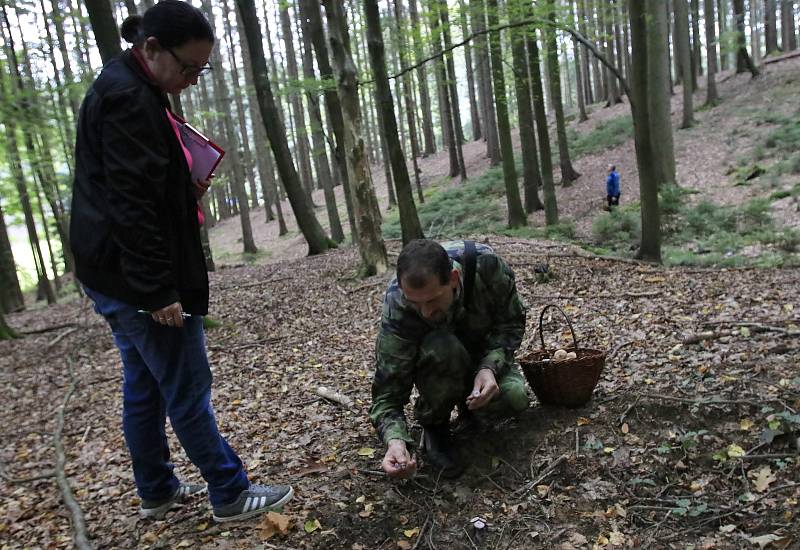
<point x="712" y="401"/>
<point x="62" y="336"/>
<point x="251" y="285"/>
<point x="78" y="523"/>
<point x="334" y="396"/>
<point x="421" y="532"/>
<point x="757" y="327"/>
<point x="550" y="469"/>
<point x="701" y="337"/>
<point x="617" y="348"/>
<point x="20" y="480"/>
<point x="47" y="329"/>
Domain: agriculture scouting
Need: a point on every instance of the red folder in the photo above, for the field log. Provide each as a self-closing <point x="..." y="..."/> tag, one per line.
<point x="206" y="154"/>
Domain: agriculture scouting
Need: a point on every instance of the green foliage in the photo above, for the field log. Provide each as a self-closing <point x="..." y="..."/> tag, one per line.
<point x="466" y="209"/>
<point x="620" y="228"/>
<point x="606" y="135"/>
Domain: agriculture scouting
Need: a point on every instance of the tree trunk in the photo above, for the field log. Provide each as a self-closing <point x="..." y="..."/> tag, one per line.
<point x="63" y="101"/>
<point x="743" y="60"/>
<point x="296" y="101"/>
<point x="458" y="135"/>
<point x="684" y="56"/>
<point x="711" y="54"/>
<point x="755" y="34"/>
<point x="446" y="112"/>
<point x="531" y="178"/>
<point x="317" y="135"/>
<point x="545" y="154"/>
<point x="11" y="298"/>
<point x="788" y="32"/>
<point x="587" y="57"/>
<point x="332" y="104"/>
<point x="770" y="26"/>
<point x="6" y="332"/>
<point x="370" y="243"/>
<point x="516" y="213"/>
<point x="276" y="132"/>
<point x="579" y="64"/>
<point x="478" y="21"/>
<point x="422" y="81"/>
<point x="613" y="96"/>
<point x="568" y="173"/>
<point x="697" y="61"/>
<point x="407" y="95"/>
<point x="596" y="32"/>
<point x="658" y="94"/>
<point x="722" y="10"/>
<point x="104" y="27"/>
<point x="473" y="101"/>
<point x="69" y="76"/>
<point x="409" y="222"/>
<point x="650" y="246"/>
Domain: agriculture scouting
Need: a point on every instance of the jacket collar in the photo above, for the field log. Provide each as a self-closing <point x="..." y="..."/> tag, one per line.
<point x="134" y="60"/>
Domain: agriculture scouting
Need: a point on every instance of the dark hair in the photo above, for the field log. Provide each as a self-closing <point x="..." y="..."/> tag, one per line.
<point x="172" y="22"/>
<point x="419" y="260"/>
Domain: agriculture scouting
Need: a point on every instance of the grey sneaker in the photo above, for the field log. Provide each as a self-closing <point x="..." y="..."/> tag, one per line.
<point x="157" y="509"/>
<point x="253" y="501"/>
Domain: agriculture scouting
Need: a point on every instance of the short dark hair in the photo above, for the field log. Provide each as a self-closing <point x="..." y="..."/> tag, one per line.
<point x="419" y="260"/>
<point x="172" y="22"/>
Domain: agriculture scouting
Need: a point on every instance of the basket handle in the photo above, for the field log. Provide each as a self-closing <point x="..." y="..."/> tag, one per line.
<point x="541" y="319"/>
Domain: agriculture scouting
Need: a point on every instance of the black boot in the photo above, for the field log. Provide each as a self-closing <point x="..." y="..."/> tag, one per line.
<point x="436" y="439"/>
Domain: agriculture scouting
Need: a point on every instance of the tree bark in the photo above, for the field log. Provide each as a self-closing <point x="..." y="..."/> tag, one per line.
<point x="317" y="241"/>
<point x="743" y="60"/>
<point x="568" y="173"/>
<point x="516" y="213"/>
<point x="788" y="28"/>
<point x="683" y="54"/>
<point x="770" y="26"/>
<point x="317" y="136"/>
<point x="446" y="112"/>
<point x="755" y="34"/>
<point x="11" y="298"/>
<point x="104" y="27"/>
<point x="370" y="243"/>
<point x="473" y="101"/>
<point x="658" y="94"/>
<point x="650" y="246"/>
<point x="531" y="178"/>
<point x="478" y="21"/>
<point x="579" y="64"/>
<point x="711" y="54"/>
<point x="545" y="154"/>
<point x="6" y="332"/>
<point x="422" y="81"/>
<point x="409" y="222"/>
<point x="458" y="135"/>
<point x="586" y="58"/>
<point x="697" y="61"/>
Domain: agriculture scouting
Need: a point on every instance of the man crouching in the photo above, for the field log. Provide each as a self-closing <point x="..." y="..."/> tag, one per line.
<point x="451" y="322"/>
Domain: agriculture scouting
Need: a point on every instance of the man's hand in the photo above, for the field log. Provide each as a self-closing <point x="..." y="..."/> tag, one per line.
<point x="484" y="389"/>
<point x="171" y="316"/>
<point x="397" y="463"/>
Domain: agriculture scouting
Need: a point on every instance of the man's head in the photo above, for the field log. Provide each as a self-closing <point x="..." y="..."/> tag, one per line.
<point x="426" y="276"/>
<point x="611" y="168"/>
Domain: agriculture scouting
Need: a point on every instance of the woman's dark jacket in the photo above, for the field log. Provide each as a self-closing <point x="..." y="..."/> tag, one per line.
<point x="134" y="229"/>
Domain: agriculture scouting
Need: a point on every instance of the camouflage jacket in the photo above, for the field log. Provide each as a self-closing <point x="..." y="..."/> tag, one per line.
<point x="491" y="327"/>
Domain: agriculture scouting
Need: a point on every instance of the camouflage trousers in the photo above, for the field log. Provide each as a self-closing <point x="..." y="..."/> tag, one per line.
<point x="445" y="374"/>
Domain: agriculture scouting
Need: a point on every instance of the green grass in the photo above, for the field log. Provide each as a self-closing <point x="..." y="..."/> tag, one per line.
<point x="606" y="135"/>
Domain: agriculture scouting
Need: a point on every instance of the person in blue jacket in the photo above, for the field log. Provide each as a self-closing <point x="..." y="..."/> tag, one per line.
<point x="612" y="187"/>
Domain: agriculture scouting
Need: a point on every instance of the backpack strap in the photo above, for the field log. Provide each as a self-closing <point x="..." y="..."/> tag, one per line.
<point x="470" y="259"/>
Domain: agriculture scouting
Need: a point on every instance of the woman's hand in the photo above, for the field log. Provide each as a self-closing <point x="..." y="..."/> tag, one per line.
<point x="201" y="186"/>
<point x="171" y="316"/>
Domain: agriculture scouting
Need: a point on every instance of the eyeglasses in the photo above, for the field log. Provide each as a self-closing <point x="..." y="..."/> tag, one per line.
<point x="190" y="71"/>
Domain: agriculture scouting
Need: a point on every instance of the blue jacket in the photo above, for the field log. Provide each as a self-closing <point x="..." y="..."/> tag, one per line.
<point x="612" y="184"/>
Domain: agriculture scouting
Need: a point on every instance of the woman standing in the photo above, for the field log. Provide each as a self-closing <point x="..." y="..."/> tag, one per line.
<point x="136" y="240"/>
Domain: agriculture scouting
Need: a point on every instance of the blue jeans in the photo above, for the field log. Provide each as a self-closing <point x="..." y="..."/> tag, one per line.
<point x="166" y="373"/>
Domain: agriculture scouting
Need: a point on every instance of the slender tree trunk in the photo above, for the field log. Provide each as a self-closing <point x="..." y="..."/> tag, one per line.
<point x="516" y="213"/>
<point x="711" y="54"/>
<point x="478" y="21"/>
<point x="770" y="26"/>
<point x="788" y="27"/>
<point x="576" y="48"/>
<point x="276" y="132"/>
<point x="568" y="173"/>
<point x="722" y="11"/>
<point x="63" y="103"/>
<point x="448" y="128"/>
<point x="614" y="95"/>
<point x="104" y="27"/>
<point x="11" y="298"/>
<point x="697" y="61"/>
<point x="407" y="95"/>
<point x="658" y="94"/>
<point x="473" y="101"/>
<point x="617" y="16"/>
<point x="458" y="134"/>
<point x="683" y="54"/>
<point x="317" y="135"/>
<point x="6" y="332"/>
<point x="755" y="33"/>
<point x="531" y="178"/>
<point x="46" y="230"/>
<point x="370" y="243"/>
<point x="409" y="221"/>
<point x="66" y="63"/>
<point x="422" y="81"/>
<point x="650" y="247"/>
<point x="332" y="104"/>
<point x="545" y="155"/>
<point x="743" y="60"/>
<point x="587" y="57"/>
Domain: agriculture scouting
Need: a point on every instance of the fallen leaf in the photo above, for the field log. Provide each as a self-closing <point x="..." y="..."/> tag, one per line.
<point x="150" y="538"/>
<point x="202" y="526"/>
<point x="763" y="540"/>
<point x="735" y="451"/>
<point x="411" y="532"/>
<point x="404" y="545"/>
<point x="616" y="538"/>
<point x="366" y="451"/>
<point x="583" y="421"/>
<point x="745" y="424"/>
<point x="764" y="477"/>
<point x="311" y="525"/>
<point x="273" y="523"/>
<point x="185" y="543"/>
<point x="729" y="528"/>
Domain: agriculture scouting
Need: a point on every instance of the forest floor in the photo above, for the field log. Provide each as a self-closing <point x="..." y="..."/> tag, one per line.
<point x="690" y="440"/>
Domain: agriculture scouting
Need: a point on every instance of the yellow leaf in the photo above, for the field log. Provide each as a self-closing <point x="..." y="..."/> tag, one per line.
<point x="602" y="540"/>
<point x="608" y="450"/>
<point x="542" y="490"/>
<point x="236" y="402"/>
<point x="202" y="526"/>
<point x="366" y="451"/>
<point x="745" y="424"/>
<point x="411" y="532"/>
<point x="764" y="477"/>
<point x="735" y="451"/>
<point x="361" y="499"/>
<point x="311" y="525"/>
<point x="150" y="538"/>
<point x="583" y="421"/>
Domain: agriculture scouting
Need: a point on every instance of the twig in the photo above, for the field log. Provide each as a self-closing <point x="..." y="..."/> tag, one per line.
<point x="527" y="488"/>
<point x="255" y="344"/>
<point x="421" y="533"/>
<point x="758" y="327"/>
<point x="78" y="523"/>
<point x="47" y="329"/>
<point x="334" y="396"/>
<point x="20" y="480"/>
<point x="257" y="283"/>
<point x="629" y="409"/>
<point x="712" y="401"/>
<point x="618" y="347"/>
<point x="768" y="456"/>
<point x="62" y="336"/>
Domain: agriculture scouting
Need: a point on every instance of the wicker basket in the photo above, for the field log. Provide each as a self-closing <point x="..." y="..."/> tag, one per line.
<point x="568" y="383"/>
